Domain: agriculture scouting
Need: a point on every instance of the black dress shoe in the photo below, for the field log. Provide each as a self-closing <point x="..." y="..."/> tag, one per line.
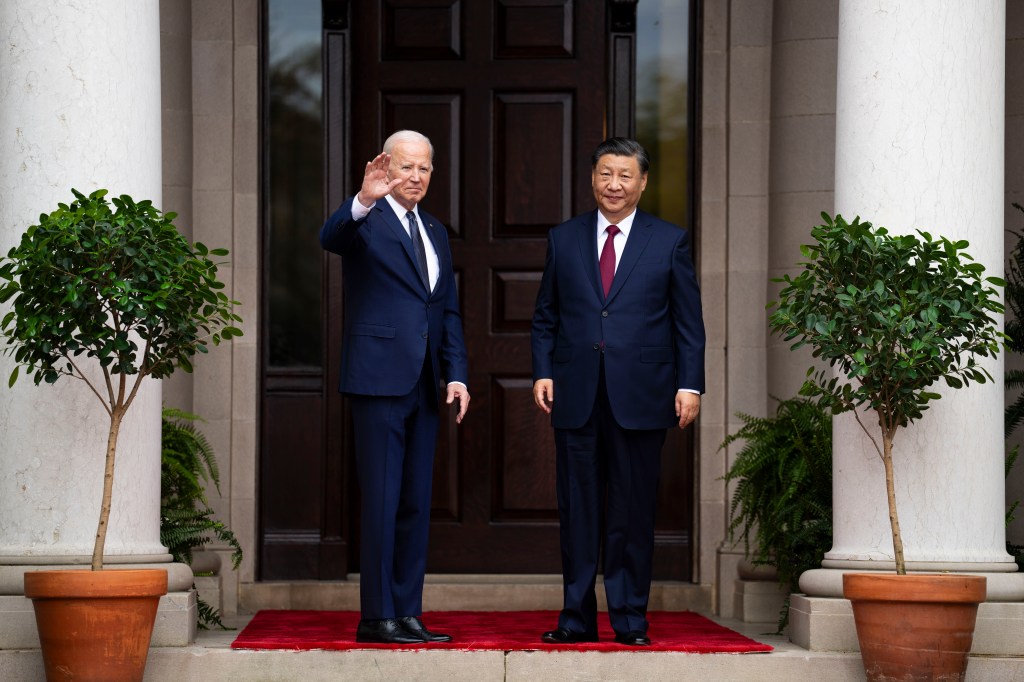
<point x="385" y="631"/>
<point x="633" y="639"/>
<point x="563" y="636"/>
<point x="414" y="626"/>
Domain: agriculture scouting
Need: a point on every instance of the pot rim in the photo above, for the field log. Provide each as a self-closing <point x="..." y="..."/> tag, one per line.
<point x="916" y="587"/>
<point x="65" y="583"/>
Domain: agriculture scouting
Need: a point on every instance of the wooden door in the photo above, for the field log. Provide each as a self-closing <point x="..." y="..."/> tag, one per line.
<point x="513" y="95"/>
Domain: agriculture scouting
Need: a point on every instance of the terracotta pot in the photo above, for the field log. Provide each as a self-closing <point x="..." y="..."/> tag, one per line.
<point x="914" y="627"/>
<point x="95" y="625"/>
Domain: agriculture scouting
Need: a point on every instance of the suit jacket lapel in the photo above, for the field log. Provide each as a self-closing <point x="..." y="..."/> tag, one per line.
<point x="433" y="230"/>
<point x="588" y="251"/>
<point x="400" y="233"/>
<point x="639" y="235"/>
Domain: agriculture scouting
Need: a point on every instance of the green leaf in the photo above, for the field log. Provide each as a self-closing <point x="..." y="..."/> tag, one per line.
<point x="14" y="376"/>
<point x="781" y="507"/>
<point x="893" y="314"/>
<point x="100" y="279"/>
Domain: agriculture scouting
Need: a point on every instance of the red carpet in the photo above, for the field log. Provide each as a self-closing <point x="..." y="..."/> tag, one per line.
<point x="503" y="631"/>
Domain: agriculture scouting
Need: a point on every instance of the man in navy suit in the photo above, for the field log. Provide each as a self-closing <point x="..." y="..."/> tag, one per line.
<point x="402" y="337"/>
<point x="618" y="332"/>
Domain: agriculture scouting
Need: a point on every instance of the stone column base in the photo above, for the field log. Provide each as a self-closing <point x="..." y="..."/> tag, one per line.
<point x="216" y="581"/>
<point x="727" y="561"/>
<point x="758" y="601"/>
<point x="826" y="624"/>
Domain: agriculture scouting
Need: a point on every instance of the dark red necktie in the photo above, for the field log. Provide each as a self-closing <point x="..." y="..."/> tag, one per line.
<point x="607" y="260"/>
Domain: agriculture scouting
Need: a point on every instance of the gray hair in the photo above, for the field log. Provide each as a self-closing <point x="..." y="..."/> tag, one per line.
<point x="622" y="146"/>
<point x="407" y="136"/>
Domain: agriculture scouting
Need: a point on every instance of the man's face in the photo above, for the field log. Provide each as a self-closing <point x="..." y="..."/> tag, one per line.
<point x="618" y="185"/>
<point x="410" y="161"/>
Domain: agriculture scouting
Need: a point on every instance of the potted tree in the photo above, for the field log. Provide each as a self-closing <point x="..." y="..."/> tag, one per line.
<point x="891" y="315"/>
<point x="118" y="289"/>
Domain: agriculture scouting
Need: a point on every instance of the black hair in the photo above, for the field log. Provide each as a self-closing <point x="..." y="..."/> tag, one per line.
<point x="622" y="146"/>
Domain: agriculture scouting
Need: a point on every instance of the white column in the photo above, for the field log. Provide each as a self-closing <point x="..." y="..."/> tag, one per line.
<point x="919" y="145"/>
<point x="79" y="107"/>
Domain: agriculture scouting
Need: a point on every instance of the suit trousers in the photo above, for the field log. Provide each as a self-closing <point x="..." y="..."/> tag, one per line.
<point x="607" y="483"/>
<point x="395" y="438"/>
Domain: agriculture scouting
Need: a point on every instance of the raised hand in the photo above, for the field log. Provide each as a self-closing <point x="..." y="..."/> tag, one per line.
<point x="376" y="183"/>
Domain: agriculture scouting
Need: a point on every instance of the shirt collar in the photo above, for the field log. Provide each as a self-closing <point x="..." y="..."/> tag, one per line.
<point x="400" y="210"/>
<point x="624" y="225"/>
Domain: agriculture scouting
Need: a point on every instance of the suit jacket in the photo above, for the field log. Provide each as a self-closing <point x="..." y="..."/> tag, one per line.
<point x="390" y="320"/>
<point x="651" y="324"/>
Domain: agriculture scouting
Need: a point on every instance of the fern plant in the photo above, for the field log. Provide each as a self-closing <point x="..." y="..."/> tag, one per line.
<point x="1014" y="292"/>
<point x="782" y="506"/>
<point x="1014" y="378"/>
<point x="188" y="465"/>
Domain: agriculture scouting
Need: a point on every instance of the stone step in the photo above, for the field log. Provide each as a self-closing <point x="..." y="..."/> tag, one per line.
<point x="211" y="658"/>
<point x="462" y="593"/>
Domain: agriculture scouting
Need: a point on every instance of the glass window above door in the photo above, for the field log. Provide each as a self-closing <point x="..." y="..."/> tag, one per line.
<point x="662" y="104"/>
<point x="293" y="177"/>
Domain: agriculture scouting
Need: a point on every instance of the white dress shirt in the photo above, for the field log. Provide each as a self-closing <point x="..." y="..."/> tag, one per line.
<point x="433" y="264"/>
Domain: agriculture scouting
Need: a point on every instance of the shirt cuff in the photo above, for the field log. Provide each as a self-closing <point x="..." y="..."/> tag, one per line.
<point x="358" y="210"/>
<point x="689" y="390"/>
<point x="459" y="383"/>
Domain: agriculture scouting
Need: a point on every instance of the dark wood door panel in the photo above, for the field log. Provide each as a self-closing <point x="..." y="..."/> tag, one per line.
<point x="291" y="481"/>
<point x="533" y="164"/>
<point x="525" y="29"/>
<point x="526" y="548"/>
<point x="513" y="295"/>
<point x="523" y="451"/>
<point x="420" y="29"/>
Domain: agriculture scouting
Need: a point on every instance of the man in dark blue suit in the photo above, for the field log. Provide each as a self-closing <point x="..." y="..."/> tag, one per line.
<point x="618" y="331"/>
<point x="402" y="337"/>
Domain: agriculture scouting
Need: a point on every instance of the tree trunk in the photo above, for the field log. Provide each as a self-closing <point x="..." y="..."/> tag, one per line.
<point x="890" y="489"/>
<point x="108" y="488"/>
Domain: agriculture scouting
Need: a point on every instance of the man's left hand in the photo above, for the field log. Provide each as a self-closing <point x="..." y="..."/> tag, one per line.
<point x="462" y="394"/>
<point x="687" y="407"/>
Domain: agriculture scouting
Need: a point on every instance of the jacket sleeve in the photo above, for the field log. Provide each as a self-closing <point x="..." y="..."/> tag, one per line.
<point x="341" y="230"/>
<point x="545" y="318"/>
<point x="687" y="318"/>
<point x="454" y="358"/>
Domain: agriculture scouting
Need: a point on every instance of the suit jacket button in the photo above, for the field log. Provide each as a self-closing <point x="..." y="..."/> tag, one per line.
<point x="597" y="346"/>
<point x="604" y="313"/>
<point x="424" y="334"/>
